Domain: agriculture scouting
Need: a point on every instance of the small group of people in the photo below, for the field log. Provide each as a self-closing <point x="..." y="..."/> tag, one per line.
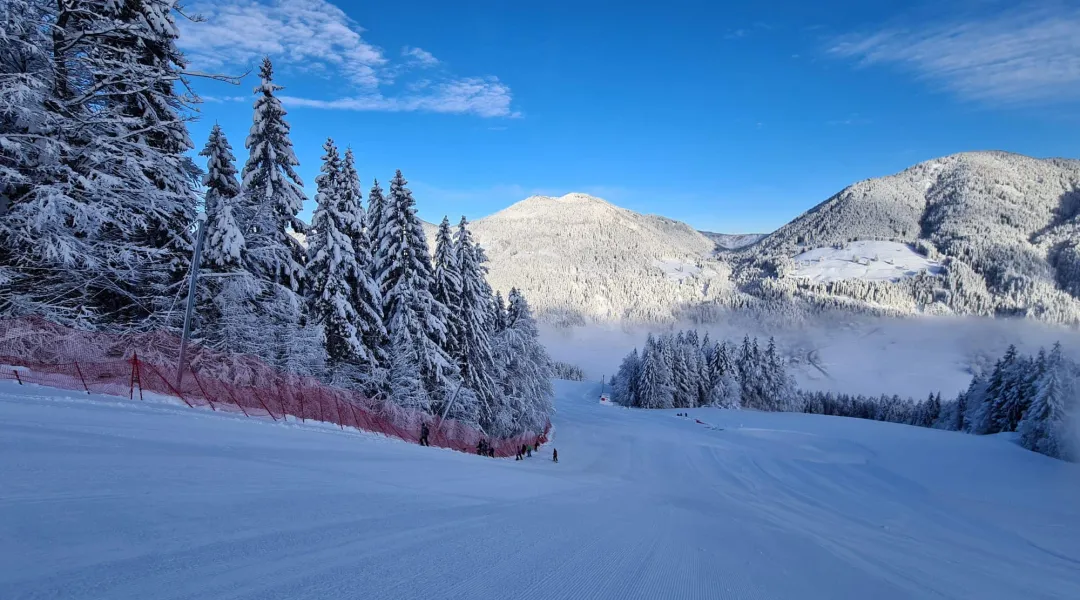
<point x="483" y="448"/>
<point x="525" y="450"/>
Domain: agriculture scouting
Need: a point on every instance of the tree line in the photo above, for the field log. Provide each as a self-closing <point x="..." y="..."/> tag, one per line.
<point x="683" y="370"/>
<point x="99" y="205"/>
<point x="1035" y="396"/>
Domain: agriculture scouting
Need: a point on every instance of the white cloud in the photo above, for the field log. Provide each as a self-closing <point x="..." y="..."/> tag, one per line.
<point x="420" y="56"/>
<point x="1022" y="56"/>
<point x="310" y="33"/>
<point x="314" y="36"/>
<point x="485" y="97"/>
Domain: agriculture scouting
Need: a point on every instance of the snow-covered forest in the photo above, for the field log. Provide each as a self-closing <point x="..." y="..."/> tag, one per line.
<point x="1034" y="396"/>
<point x="100" y="204"/>
<point x="685" y="371"/>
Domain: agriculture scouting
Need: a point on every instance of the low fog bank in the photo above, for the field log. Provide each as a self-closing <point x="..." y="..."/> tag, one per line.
<point x="907" y="356"/>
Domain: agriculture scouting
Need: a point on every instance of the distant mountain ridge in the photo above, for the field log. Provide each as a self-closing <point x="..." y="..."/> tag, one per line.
<point x="996" y="234"/>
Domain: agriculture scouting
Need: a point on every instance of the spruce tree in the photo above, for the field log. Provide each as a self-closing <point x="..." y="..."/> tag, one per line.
<point x="1045" y="427"/>
<point x="654" y="387"/>
<point x="96" y="193"/>
<point x="1010" y="400"/>
<point x="406" y="389"/>
<point x="373" y="225"/>
<point x="446" y="288"/>
<point x="524" y="401"/>
<point x="225" y="319"/>
<point x="366" y="296"/>
<point x="272" y="197"/>
<point x="477" y="365"/>
<point x="406" y="280"/>
<point x="332" y="269"/>
<point x="273" y="192"/>
<point x="498" y="312"/>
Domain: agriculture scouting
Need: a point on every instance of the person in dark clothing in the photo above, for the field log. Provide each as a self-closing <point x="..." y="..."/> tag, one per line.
<point x="554" y="455"/>
<point x="480" y="451"/>
<point x="424" y="431"/>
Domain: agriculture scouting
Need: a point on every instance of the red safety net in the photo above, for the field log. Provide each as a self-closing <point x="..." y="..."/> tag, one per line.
<point x="37" y="351"/>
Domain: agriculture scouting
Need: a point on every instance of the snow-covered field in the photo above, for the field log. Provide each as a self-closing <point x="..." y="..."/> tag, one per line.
<point x="869" y="260"/>
<point x="116" y="499"/>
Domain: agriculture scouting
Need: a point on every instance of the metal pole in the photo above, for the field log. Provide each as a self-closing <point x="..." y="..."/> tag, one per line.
<point x="442" y="417"/>
<point x="190" y="298"/>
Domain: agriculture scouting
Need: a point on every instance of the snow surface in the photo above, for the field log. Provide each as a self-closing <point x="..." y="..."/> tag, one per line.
<point x="869" y="260"/>
<point x="110" y="498"/>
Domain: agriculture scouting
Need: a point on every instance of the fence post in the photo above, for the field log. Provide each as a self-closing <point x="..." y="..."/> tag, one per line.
<point x="337" y="405"/>
<point x="203" y="391"/>
<point x="131" y="390"/>
<point x="257" y="397"/>
<point x="136" y="376"/>
<point x="17" y="378"/>
<point x="81" y="378"/>
<point x="232" y="396"/>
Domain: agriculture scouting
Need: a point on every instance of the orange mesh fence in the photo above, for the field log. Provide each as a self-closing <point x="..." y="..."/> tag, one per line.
<point x="34" y="351"/>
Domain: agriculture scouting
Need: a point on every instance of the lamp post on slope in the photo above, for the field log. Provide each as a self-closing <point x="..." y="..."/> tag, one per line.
<point x="196" y="259"/>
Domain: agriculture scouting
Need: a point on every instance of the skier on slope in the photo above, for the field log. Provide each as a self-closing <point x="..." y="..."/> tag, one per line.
<point x="424" y="431"/>
<point x="555" y="454"/>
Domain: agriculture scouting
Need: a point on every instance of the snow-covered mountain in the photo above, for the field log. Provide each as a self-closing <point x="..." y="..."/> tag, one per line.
<point x="733" y="241"/>
<point x="985" y="233"/>
<point x="998" y="233"/>
<point x="581" y="258"/>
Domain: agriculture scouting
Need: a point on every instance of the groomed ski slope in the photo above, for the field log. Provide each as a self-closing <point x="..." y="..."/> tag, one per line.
<point x="111" y="499"/>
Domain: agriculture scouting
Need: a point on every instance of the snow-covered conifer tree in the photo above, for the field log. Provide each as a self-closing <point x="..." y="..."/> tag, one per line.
<point x="331" y="266"/>
<point x="366" y="296"/>
<point x="654" y="384"/>
<point x="524" y="402"/>
<point x="101" y="207"/>
<point x="225" y="319"/>
<point x="1009" y="399"/>
<point x="272" y="197"/>
<point x="373" y="225"/>
<point x="624" y="386"/>
<point x="273" y="192"/>
<point x="446" y="288"/>
<point x="498" y="309"/>
<point x="406" y="281"/>
<point x="1045" y="427"/>
<point x="406" y="389"/>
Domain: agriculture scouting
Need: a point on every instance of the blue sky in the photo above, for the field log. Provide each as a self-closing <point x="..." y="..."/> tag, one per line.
<point x="733" y="118"/>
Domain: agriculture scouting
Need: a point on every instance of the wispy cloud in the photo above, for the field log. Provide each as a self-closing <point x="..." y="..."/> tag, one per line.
<point x="317" y="37"/>
<point x="486" y="97"/>
<point x="221" y="99"/>
<point x="420" y="56"/>
<point x="1022" y="56"/>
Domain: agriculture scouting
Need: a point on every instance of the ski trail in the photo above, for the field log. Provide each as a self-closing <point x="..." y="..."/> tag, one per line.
<point x="122" y="500"/>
